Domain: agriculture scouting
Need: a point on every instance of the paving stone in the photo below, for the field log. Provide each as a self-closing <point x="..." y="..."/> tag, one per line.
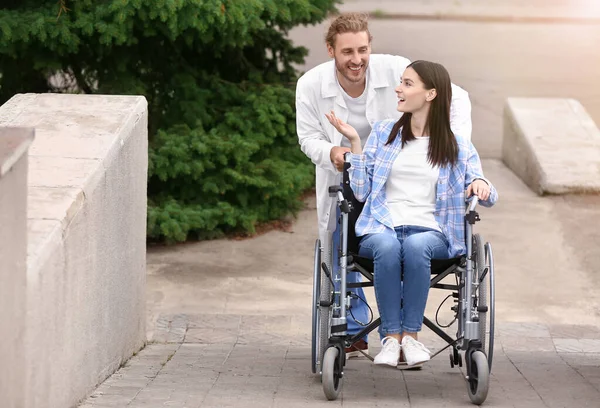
<point x="577" y="345"/>
<point x="531" y="368"/>
<point x="574" y="331"/>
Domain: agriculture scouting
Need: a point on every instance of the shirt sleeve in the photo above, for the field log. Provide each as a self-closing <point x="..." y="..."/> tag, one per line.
<point x="474" y="171"/>
<point x="311" y="135"/>
<point x="361" y="166"/>
<point x="460" y="112"/>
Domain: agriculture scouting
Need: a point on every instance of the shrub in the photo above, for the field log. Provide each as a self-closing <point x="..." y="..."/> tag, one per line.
<point x="219" y="79"/>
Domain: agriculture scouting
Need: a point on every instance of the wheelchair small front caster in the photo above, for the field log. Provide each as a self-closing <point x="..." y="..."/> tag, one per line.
<point x="332" y="377"/>
<point x="478" y="377"/>
<point x="455" y="358"/>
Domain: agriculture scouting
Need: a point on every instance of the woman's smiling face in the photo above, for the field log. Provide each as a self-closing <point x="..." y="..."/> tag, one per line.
<point x="412" y="95"/>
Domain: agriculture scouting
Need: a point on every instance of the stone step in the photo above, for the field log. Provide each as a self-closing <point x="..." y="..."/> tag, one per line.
<point x="552" y="144"/>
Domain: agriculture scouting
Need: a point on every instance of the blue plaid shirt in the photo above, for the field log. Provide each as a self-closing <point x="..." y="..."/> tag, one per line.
<point x="370" y="170"/>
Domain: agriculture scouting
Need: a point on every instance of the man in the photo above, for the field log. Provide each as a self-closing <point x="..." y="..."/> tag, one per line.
<point x="360" y="89"/>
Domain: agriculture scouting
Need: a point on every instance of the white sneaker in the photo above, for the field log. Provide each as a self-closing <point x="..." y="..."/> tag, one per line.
<point x="414" y="351"/>
<point x="403" y="366"/>
<point x="390" y="353"/>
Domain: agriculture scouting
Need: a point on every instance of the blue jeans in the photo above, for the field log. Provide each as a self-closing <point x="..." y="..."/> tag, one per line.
<point x="410" y="252"/>
<point x="358" y="308"/>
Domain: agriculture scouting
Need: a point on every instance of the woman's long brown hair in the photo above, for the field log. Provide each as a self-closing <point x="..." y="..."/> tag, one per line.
<point x="443" y="148"/>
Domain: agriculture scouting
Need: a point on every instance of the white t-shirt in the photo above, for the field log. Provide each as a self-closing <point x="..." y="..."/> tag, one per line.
<point x="357" y="116"/>
<point x="411" y="186"/>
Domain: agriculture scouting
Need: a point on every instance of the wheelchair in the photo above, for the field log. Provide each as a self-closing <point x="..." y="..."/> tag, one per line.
<point x="473" y="295"/>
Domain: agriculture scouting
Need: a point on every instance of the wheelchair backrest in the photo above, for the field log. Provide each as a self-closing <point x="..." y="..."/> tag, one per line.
<point x="356" y="209"/>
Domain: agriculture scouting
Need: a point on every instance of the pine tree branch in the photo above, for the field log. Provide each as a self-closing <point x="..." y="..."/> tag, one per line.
<point x="62" y="8"/>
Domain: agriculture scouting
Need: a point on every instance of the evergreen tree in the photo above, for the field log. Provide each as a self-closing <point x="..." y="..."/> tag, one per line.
<point x="219" y="81"/>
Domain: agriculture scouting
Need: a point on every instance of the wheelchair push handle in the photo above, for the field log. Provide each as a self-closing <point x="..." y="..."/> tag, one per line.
<point x="333" y="190"/>
<point x="473" y="201"/>
<point x="471" y="216"/>
<point x="346" y="164"/>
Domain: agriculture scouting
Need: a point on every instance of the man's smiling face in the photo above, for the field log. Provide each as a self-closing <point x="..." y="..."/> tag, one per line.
<point x="351" y="53"/>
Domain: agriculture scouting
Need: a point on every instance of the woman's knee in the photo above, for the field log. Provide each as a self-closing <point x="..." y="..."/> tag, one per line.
<point x="425" y="244"/>
<point x="381" y="245"/>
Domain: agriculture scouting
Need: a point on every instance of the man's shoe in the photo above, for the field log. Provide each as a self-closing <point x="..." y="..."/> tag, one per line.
<point x="353" y="350"/>
<point x="414" y="351"/>
<point x="403" y="366"/>
<point x="390" y="353"/>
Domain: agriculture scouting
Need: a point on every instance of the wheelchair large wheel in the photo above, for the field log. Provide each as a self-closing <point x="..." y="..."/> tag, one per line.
<point x="485" y="277"/>
<point x="316" y="312"/>
<point x="489" y="257"/>
<point x="332" y="377"/>
<point x="323" y="324"/>
<point x="479" y="267"/>
<point x="481" y="276"/>
<point x="478" y="380"/>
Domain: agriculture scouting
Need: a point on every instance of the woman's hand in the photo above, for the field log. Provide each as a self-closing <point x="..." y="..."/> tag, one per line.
<point x="479" y="188"/>
<point x="345" y="129"/>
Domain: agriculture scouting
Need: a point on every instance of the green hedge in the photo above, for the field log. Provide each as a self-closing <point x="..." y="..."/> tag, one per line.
<point x="219" y="80"/>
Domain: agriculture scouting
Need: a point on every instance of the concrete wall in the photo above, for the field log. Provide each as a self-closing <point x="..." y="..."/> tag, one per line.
<point x="552" y="144"/>
<point x="86" y="240"/>
<point x="13" y="270"/>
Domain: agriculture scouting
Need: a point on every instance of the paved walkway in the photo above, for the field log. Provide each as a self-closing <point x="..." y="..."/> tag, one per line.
<point x="250" y="346"/>
<point x="262" y="361"/>
<point x="229" y="321"/>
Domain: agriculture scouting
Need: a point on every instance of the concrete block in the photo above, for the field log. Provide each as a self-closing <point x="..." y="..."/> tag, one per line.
<point x="552" y="144"/>
<point x="14" y="144"/>
<point x="86" y="251"/>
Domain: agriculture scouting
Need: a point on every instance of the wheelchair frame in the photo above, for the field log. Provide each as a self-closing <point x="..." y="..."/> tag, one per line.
<point x="475" y="318"/>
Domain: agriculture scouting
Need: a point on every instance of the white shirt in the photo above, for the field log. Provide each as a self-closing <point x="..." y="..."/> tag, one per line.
<point x="317" y="93"/>
<point x="357" y="118"/>
<point x="411" y="186"/>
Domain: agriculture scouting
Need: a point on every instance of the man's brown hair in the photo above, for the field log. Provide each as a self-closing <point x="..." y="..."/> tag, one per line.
<point x="347" y="23"/>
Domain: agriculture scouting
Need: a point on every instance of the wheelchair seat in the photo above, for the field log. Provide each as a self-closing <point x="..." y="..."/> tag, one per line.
<point x="437" y="265"/>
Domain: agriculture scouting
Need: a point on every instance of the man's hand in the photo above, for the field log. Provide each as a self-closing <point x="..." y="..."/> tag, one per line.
<point x="479" y="188"/>
<point x="337" y="156"/>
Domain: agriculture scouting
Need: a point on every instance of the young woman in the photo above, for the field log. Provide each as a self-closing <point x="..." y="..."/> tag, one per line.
<point x="412" y="176"/>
